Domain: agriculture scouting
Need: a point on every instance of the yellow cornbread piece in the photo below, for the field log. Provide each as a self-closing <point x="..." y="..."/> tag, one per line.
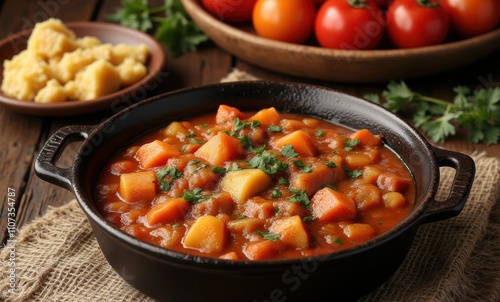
<point x="76" y="68"/>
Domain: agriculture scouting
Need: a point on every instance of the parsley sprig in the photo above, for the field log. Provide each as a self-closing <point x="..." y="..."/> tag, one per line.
<point x="166" y="176"/>
<point x="176" y="30"/>
<point x="477" y="112"/>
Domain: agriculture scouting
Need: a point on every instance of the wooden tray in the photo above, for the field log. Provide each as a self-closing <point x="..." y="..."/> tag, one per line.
<point x="355" y="66"/>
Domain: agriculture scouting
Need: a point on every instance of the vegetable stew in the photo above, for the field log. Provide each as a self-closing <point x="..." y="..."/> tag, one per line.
<point x="255" y="186"/>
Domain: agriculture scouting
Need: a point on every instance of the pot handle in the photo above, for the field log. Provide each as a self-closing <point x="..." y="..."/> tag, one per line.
<point x="465" y="170"/>
<point x="45" y="164"/>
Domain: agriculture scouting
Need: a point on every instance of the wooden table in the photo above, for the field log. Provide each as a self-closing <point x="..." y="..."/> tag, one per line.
<point x="22" y="136"/>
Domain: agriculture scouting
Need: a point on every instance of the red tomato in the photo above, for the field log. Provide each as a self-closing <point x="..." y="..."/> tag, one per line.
<point x="473" y="17"/>
<point x="340" y="24"/>
<point x="284" y="20"/>
<point x="417" y="23"/>
<point x="230" y="10"/>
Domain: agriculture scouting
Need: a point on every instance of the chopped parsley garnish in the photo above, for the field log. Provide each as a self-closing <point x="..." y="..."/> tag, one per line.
<point x="200" y="167"/>
<point x="240" y="125"/>
<point x="303" y="167"/>
<point x="194" y="161"/>
<point x="273" y="128"/>
<point x="204" y="125"/>
<point x="331" y="164"/>
<point x="331" y="187"/>
<point x="195" y="142"/>
<point x="268" y="235"/>
<point x="353" y="173"/>
<point x="190" y="134"/>
<point x="194" y="196"/>
<point x="338" y="241"/>
<point x="283" y="181"/>
<point x="276" y="193"/>
<point x="268" y="163"/>
<point x="309" y="218"/>
<point x="234" y="167"/>
<point x="173" y="173"/>
<point x="351" y="143"/>
<point x="219" y="170"/>
<point x="319" y="133"/>
<point x="299" y="196"/>
<point x="288" y="151"/>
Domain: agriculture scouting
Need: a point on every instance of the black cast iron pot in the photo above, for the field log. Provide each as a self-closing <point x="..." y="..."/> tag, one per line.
<point x="172" y="276"/>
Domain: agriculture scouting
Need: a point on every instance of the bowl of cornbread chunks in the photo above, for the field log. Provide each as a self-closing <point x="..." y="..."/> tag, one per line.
<point x="74" y="68"/>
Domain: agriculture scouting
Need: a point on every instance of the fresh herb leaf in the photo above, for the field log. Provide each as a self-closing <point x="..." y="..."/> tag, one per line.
<point x="309" y="218"/>
<point x="319" y="133"/>
<point x="299" y="196"/>
<point x="288" y="151"/>
<point x="172" y="173"/>
<point x="268" y="163"/>
<point x="276" y="193"/>
<point x="283" y="181"/>
<point x="268" y="235"/>
<point x="273" y="128"/>
<point x="353" y="173"/>
<point x="176" y="30"/>
<point x="476" y="112"/>
<point x="194" y="196"/>
<point x="338" y="241"/>
<point x="303" y="167"/>
<point x="330" y="164"/>
<point x="349" y="144"/>
<point x="219" y="170"/>
<point x="134" y="14"/>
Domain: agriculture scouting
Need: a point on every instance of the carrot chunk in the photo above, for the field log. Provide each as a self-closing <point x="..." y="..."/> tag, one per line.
<point x="266" y="117"/>
<point x="168" y="211"/>
<point x="300" y="141"/>
<point x="219" y="149"/>
<point x="261" y="250"/>
<point x="393" y="182"/>
<point x="122" y="166"/>
<point x="329" y="205"/>
<point x="367" y="138"/>
<point x="226" y="113"/>
<point x="138" y="186"/>
<point x="155" y="154"/>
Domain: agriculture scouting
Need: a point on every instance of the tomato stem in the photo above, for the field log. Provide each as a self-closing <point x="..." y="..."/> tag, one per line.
<point x="358" y="4"/>
<point x="429" y="3"/>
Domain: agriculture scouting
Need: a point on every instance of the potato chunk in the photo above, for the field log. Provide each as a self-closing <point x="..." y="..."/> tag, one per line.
<point x="97" y="79"/>
<point x="53" y="92"/>
<point x="292" y="231"/>
<point x="51" y="39"/>
<point x="207" y="235"/>
<point x="243" y="184"/>
<point x="24" y="75"/>
<point x="131" y="71"/>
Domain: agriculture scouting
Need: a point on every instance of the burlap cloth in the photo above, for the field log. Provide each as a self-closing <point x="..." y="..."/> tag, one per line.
<point x="458" y="259"/>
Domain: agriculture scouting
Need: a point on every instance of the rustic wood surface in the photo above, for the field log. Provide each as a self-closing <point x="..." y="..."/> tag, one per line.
<point x="22" y="136"/>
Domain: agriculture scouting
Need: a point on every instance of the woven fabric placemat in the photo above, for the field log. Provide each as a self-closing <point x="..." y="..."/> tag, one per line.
<point x="57" y="257"/>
